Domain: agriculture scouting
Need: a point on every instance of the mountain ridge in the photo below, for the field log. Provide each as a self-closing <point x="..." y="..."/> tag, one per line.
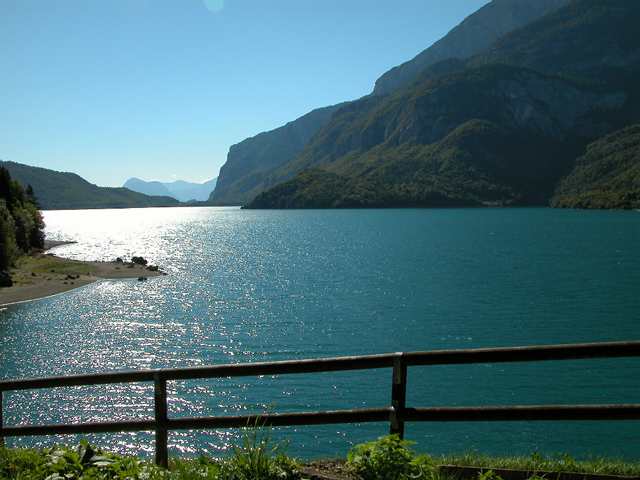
<point x="69" y="191"/>
<point x="474" y="34"/>
<point x="181" y="190"/>
<point x="248" y="161"/>
<point x="561" y="107"/>
<point x="251" y="163"/>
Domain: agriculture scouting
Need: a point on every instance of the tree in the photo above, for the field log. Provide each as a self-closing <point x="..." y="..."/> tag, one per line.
<point x="21" y="224"/>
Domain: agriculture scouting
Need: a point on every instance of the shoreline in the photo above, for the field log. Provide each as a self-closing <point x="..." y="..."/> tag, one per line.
<point x="51" y="244"/>
<point x="44" y="275"/>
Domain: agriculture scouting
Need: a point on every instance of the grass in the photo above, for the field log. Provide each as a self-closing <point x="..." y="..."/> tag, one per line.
<point x="45" y="264"/>
<point x="28" y="267"/>
<point x="540" y="463"/>
<point x="257" y="458"/>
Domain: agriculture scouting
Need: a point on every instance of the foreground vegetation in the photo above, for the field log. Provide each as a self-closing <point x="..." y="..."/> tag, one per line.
<point x="387" y="458"/>
<point x="540" y="463"/>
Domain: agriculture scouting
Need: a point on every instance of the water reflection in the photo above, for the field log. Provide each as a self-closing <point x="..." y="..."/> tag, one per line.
<point x="254" y="286"/>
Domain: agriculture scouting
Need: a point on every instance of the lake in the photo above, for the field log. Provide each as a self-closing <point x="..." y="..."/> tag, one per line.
<point x="246" y="286"/>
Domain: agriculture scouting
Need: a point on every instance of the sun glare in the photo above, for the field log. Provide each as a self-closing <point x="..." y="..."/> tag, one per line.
<point x="214" y="6"/>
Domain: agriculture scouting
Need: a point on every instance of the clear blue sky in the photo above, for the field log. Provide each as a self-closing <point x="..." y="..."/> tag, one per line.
<point x="160" y="89"/>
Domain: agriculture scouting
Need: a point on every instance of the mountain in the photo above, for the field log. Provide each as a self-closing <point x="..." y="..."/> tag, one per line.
<point x="147" y="188"/>
<point x="179" y="189"/>
<point x="607" y="176"/>
<point x="502" y="127"/>
<point x="68" y="191"/>
<point x="475" y="34"/>
<point x="248" y="162"/>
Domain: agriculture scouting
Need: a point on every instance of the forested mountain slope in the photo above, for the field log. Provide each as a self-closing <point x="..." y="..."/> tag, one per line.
<point x="503" y="127"/>
<point x="607" y="176"/>
<point x="68" y="191"/>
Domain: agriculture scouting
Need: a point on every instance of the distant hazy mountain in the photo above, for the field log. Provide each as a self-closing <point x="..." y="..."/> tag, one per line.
<point x="68" y="191"/>
<point x="475" y="34"/>
<point x="180" y="190"/>
<point x="186" y="191"/>
<point x="148" y="188"/>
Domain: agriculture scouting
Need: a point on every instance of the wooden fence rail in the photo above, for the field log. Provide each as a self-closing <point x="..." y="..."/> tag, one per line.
<point x="397" y="413"/>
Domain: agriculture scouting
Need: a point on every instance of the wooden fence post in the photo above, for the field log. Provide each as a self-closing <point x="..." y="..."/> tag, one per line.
<point x="398" y="395"/>
<point x="160" y="404"/>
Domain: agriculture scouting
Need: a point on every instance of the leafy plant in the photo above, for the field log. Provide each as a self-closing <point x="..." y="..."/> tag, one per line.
<point x="489" y="475"/>
<point x="80" y="463"/>
<point x="259" y="458"/>
<point x="388" y="458"/>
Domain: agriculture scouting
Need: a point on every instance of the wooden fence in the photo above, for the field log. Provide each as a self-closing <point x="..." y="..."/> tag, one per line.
<point x="397" y="413"/>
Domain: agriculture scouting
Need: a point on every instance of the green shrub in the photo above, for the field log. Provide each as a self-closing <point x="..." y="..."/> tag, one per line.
<point x="259" y="458"/>
<point x="81" y="463"/>
<point x="389" y="458"/>
<point x="256" y="459"/>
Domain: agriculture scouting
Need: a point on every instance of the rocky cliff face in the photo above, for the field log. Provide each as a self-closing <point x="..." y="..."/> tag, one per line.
<point x="513" y="97"/>
<point x="249" y="162"/>
<point x="475" y="34"/>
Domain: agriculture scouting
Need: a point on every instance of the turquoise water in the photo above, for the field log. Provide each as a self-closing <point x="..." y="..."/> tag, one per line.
<point x="249" y="286"/>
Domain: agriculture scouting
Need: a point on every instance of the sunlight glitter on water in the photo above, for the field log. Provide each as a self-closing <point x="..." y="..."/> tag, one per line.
<point x="247" y="286"/>
<point x="106" y="234"/>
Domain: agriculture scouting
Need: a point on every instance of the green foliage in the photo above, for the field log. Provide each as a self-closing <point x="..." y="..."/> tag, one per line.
<point x="81" y="463"/>
<point x="389" y="458"/>
<point x="8" y="247"/>
<point x="489" y="475"/>
<point x="21" y="224"/>
<point x="256" y="459"/>
<point x="259" y="458"/>
<point x="540" y="463"/>
<point x="607" y="176"/>
<point x="61" y="190"/>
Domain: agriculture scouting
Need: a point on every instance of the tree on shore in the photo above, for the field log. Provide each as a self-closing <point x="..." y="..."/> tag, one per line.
<point x="21" y="223"/>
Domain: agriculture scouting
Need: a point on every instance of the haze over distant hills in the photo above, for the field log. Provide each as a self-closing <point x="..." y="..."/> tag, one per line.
<point x="179" y="189"/>
<point x="67" y="191"/>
